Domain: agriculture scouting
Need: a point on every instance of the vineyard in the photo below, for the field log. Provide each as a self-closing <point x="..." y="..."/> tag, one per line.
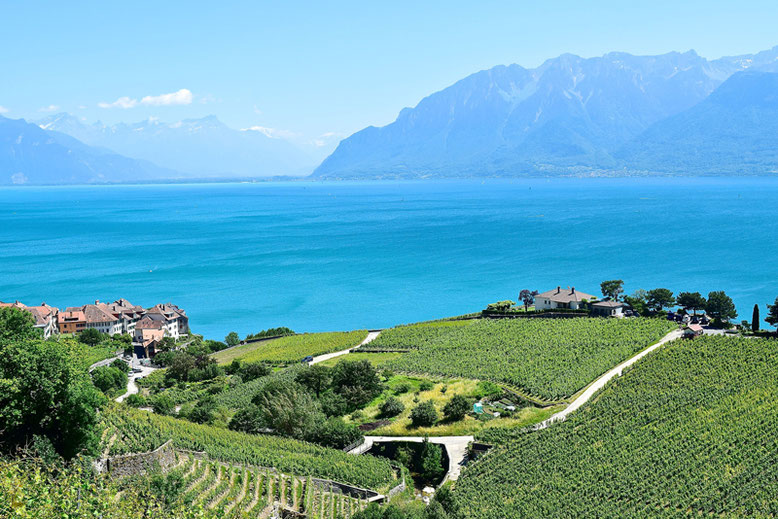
<point x="414" y="336"/>
<point x="548" y="359"/>
<point x="235" y="491"/>
<point x="292" y="348"/>
<point x="690" y="430"/>
<point x="138" y="431"/>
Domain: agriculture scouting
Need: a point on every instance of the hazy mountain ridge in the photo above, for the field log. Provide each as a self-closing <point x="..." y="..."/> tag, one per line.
<point x="31" y="155"/>
<point x="203" y="147"/>
<point x="569" y="114"/>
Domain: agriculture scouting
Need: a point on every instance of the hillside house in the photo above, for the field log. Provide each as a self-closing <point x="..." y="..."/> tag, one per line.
<point x="608" y="308"/>
<point x="45" y="316"/>
<point x="562" y="298"/>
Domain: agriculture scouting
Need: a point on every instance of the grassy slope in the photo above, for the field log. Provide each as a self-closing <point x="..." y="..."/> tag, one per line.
<point x="693" y="428"/>
<point x="292" y="348"/>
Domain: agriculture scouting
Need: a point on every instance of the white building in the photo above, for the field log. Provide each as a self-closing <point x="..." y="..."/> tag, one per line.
<point x="562" y="298"/>
<point x="608" y="309"/>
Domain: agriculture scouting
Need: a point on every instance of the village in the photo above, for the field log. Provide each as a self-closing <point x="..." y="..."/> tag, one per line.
<point x="146" y="326"/>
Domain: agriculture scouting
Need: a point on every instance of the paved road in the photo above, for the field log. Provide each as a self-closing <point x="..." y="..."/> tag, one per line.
<point x="456" y="448"/>
<point x="132" y="387"/>
<point x="604" y="379"/>
<point x="328" y="356"/>
<point x="104" y="362"/>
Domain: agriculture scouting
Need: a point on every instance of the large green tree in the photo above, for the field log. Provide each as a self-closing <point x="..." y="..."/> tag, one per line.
<point x="720" y="306"/>
<point x="693" y="301"/>
<point x="772" y="313"/>
<point x="658" y="299"/>
<point x="356" y="381"/>
<point x="44" y="391"/>
<point x="16" y="324"/>
<point x="612" y="288"/>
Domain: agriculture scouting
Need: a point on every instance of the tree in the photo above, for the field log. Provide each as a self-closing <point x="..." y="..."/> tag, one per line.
<point x="287" y="408"/>
<point x="658" y="299"/>
<point x="391" y="407"/>
<point x="44" y="391"/>
<point x="253" y="371"/>
<point x="16" y="325"/>
<point x="755" y="319"/>
<point x="106" y="378"/>
<point x="691" y="301"/>
<point x="163" y="404"/>
<point x="335" y="433"/>
<point x="637" y="301"/>
<point x="356" y="381"/>
<point x="232" y="339"/>
<point x="720" y="306"/>
<point x="424" y="414"/>
<point x="456" y="408"/>
<point x="167" y="344"/>
<point x="612" y="288"/>
<point x="431" y="460"/>
<point x="180" y="367"/>
<point x="772" y="313"/>
<point x="528" y="298"/>
<point x="316" y="378"/>
<point x="203" y="411"/>
<point x="91" y="337"/>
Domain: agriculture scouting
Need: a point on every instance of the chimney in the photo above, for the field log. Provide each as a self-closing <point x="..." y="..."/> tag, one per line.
<point x="558" y="289"/>
<point x="573" y="290"/>
<point x="97" y="301"/>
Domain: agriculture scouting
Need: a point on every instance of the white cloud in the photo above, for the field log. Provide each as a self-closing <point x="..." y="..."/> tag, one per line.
<point x="3" y="110"/>
<point x="50" y="108"/>
<point x="182" y="97"/>
<point x="123" y="102"/>
<point x="273" y="133"/>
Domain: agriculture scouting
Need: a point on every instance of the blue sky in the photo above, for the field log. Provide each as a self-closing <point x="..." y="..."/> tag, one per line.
<point x="314" y="69"/>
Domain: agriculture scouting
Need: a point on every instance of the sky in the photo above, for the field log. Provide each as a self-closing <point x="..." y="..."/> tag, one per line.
<point x="321" y="70"/>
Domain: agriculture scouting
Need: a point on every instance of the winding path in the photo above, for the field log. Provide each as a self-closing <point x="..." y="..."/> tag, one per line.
<point x="604" y="379"/>
<point x="132" y="387"/>
<point x="328" y="356"/>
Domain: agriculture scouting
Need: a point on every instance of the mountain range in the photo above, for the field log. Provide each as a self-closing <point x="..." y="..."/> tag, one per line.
<point x="616" y="114"/>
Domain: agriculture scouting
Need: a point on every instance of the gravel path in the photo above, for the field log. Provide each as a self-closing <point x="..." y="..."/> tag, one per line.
<point x="328" y="356"/>
<point x="604" y="379"/>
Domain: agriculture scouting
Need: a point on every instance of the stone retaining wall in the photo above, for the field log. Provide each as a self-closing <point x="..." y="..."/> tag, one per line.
<point x="163" y="458"/>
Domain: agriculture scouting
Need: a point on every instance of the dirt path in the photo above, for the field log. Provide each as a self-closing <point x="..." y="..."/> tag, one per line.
<point x="604" y="379"/>
<point x="328" y="356"/>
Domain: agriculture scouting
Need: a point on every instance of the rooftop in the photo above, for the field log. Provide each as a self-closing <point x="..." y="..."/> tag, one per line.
<point x="565" y="295"/>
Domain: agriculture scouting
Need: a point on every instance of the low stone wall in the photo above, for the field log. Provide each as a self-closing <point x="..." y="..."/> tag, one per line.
<point x="163" y="458"/>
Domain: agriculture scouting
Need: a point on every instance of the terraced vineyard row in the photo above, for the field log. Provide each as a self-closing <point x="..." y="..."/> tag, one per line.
<point x="139" y="431"/>
<point x="690" y="430"/>
<point x="413" y="336"/>
<point x="235" y="491"/>
<point x="548" y="359"/>
<point x="292" y="348"/>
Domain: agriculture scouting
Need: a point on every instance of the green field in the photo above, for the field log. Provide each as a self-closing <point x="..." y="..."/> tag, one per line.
<point x="140" y="431"/>
<point x="292" y="348"/>
<point x="375" y="358"/>
<point x="413" y="336"/>
<point x="691" y="430"/>
<point x="550" y="359"/>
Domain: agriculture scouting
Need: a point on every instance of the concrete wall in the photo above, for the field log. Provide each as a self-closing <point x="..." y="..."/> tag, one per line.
<point x="163" y="458"/>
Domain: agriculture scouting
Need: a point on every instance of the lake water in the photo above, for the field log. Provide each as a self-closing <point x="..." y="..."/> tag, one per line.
<point x="336" y="256"/>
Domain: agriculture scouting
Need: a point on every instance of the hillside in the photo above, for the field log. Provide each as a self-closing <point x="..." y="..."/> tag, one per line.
<point x="570" y="115"/>
<point x="734" y="130"/>
<point x="690" y="430"/>
<point x="30" y="155"/>
<point x="204" y="147"/>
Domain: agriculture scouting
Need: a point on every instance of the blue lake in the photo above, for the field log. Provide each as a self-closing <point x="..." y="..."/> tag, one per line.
<point x="334" y="256"/>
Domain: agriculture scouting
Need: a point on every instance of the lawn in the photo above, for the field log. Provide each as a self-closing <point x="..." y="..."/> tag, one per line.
<point x="292" y="348"/>
<point x="440" y="393"/>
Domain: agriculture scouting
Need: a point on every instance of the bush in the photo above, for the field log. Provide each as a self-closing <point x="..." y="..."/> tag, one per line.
<point x="456" y="408"/>
<point x="120" y="365"/>
<point x="424" y="414"/>
<point x="332" y="404"/>
<point x="392" y="407"/>
<point x="107" y="378"/>
<point x="426" y="385"/>
<point x="232" y="339"/>
<point x="203" y="411"/>
<point x="162" y="404"/>
<point x="335" y="433"/>
<point x="91" y="337"/>
<point x="135" y="400"/>
<point x="401" y="388"/>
